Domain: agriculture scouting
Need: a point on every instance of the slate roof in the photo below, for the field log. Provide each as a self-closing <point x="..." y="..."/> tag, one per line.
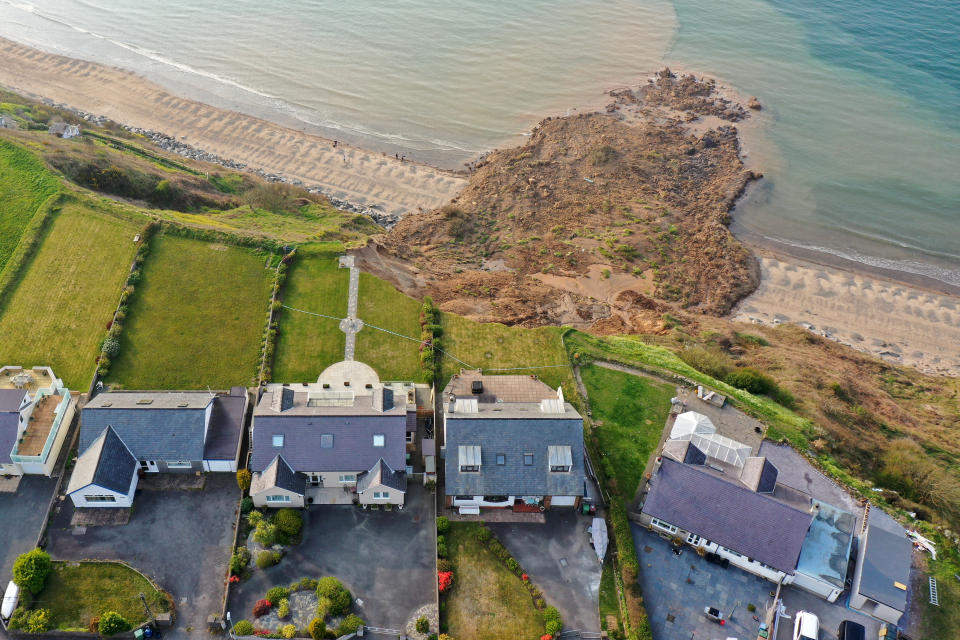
<point x="729" y="514"/>
<point x="382" y="474"/>
<point x="225" y="428"/>
<point x="887" y="559"/>
<point x="514" y="438"/>
<point x="9" y="426"/>
<point x="106" y="463"/>
<point x="159" y="431"/>
<point x="11" y="399"/>
<point x="279" y="474"/>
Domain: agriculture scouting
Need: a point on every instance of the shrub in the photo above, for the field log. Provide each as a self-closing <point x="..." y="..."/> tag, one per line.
<point x="276" y="594"/>
<point x="552" y="621"/>
<point x="30" y="570"/>
<point x="36" y="621"/>
<point x="443" y="524"/>
<point x="265" y="533"/>
<point x="262" y="608"/>
<point x="350" y="624"/>
<point x="513" y="565"/>
<point x="111" y="347"/>
<point x="255" y="518"/>
<point x="288" y="521"/>
<point x="283" y="608"/>
<point x="423" y="625"/>
<point x="623" y="536"/>
<point x="308" y="584"/>
<point x="751" y="380"/>
<point x="332" y="589"/>
<point x="244" y="477"/>
<point x="444" y="565"/>
<point x="288" y="630"/>
<point x="323" y="607"/>
<point x="444" y="580"/>
<point x="483" y="535"/>
<point x="317" y="629"/>
<point x="112" y="622"/>
<point x="441" y="547"/>
<point x="246" y="505"/>
<point x="239" y="560"/>
<point x="711" y="361"/>
<point x="265" y="559"/>
<point x="243" y="628"/>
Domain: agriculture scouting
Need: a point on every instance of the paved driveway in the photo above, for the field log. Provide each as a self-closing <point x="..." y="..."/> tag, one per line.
<point x="181" y="539"/>
<point x="21" y="515"/>
<point x="558" y="556"/>
<point x="386" y="559"/>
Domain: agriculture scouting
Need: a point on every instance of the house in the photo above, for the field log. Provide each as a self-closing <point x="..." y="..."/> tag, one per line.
<point x="170" y="431"/>
<point x="344" y="427"/>
<point x="64" y="130"/>
<point x="882" y="574"/>
<point x="105" y="474"/>
<point x="36" y="411"/>
<point x="708" y="492"/>
<point x="510" y="441"/>
<point x="278" y="485"/>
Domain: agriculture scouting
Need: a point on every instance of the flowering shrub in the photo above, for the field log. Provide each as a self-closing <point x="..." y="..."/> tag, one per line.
<point x="546" y="636"/>
<point x="525" y="578"/>
<point x="262" y="608"/>
<point x="445" y="580"/>
<point x="234" y="578"/>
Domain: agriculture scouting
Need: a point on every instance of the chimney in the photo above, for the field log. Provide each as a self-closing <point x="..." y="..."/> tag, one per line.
<point x="276" y="402"/>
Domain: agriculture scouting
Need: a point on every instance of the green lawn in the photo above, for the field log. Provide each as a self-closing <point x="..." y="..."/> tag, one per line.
<point x="77" y="592"/>
<point x="59" y="309"/>
<point x="487" y="601"/>
<point x="608" y="598"/>
<point x="25" y="183"/>
<point x="381" y="305"/>
<point x="633" y="411"/>
<point x="493" y="346"/>
<point x="307" y="344"/>
<point x="196" y="319"/>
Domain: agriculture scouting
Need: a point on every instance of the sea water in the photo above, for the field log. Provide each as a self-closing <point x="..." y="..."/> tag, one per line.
<point x="860" y="145"/>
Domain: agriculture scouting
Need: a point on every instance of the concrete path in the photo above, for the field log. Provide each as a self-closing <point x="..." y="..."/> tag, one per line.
<point x="351" y="324"/>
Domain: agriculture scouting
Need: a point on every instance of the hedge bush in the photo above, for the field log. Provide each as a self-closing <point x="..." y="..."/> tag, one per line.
<point x="244" y="478"/>
<point x="265" y="533"/>
<point x="243" y="628"/>
<point x="112" y="622"/>
<point x="276" y="594"/>
<point x="288" y="630"/>
<point x="246" y="505"/>
<point x="262" y="608"/>
<point x="423" y="625"/>
<point x="266" y="559"/>
<point x="443" y="524"/>
<point x="483" y="535"/>
<point x="317" y="629"/>
<point x="288" y="521"/>
<point x="333" y="590"/>
<point x="36" y="621"/>
<point x="30" y="570"/>
<point x="350" y="624"/>
<point x="552" y="621"/>
<point x="239" y="560"/>
<point x="444" y="565"/>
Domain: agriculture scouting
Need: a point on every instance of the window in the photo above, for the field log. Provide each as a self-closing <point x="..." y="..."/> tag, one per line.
<point x="665" y="526"/>
<point x="465" y="468"/>
<point x="560" y="458"/>
<point x="501" y="459"/>
<point x="348" y="478"/>
<point x="101" y="499"/>
<point x="468" y="457"/>
<point x="559" y="468"/>
<point x="410" y="436"/>
<point x="179" y="464"/>
<point x="378" y="440"/>
<point x="278" y="440"/>
<point x="326" y="441"/>
<point x="381" y="495"/>
<point x="693" y="539"/>
<point x="528" y="459"/>
<point x="463" y="498"/>
<point x="278" y="498"/>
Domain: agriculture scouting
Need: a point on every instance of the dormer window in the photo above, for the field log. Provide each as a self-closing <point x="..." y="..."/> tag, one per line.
<point x="278" y="440"/>
<point x="560" y="458"/>
<point x="469" y="458"/>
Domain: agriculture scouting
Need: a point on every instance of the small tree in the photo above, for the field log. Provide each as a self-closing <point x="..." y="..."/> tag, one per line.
<point x="317" y="629"/>
<point x="112" y="622"/>
<point x="243" y="628"/>
<point x="333" y="590"/>
<point x="30" y="570"/>
<point x="244" y="477"/>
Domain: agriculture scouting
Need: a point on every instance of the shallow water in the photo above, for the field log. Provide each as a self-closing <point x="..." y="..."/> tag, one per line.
<point x="861" y="151"/>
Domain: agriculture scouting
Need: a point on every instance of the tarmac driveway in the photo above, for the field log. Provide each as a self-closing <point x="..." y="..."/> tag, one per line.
<point x="558" y="556"/>
<point x="179" y="538"/>
<point x="385" y="559"/>
<point x="21" y="514"/>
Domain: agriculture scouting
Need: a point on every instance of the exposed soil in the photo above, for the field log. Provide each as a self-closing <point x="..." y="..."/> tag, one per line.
<point x="595" y="222"/>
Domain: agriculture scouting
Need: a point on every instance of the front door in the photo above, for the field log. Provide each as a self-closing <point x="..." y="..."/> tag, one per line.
<point x="315" y="480"/>
<point x="150" y="466"/>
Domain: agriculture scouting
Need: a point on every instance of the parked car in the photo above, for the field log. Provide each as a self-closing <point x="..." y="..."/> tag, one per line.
<point x="850" y="630"/>
<point x="715" y="615"/>
<point x="806" y="626"/>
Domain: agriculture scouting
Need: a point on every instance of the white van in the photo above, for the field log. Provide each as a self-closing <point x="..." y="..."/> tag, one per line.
<point x="806" y="627"/>
<point x="10" y="598"/>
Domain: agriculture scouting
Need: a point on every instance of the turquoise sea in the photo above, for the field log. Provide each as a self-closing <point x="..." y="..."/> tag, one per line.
<point x="859" y="143"/>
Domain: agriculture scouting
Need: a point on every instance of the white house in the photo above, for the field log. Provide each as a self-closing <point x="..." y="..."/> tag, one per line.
<point x="105" y="474"/>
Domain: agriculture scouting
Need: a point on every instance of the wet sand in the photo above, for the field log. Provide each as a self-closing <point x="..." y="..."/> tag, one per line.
<point x="365" y="178"/>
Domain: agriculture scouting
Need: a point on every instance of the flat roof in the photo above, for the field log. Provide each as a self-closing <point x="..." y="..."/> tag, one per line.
<point x="887" y="559"/>
<point x="507" y="388"/>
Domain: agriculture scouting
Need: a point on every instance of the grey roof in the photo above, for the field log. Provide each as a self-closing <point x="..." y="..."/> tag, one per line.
<point x="381" y="473"/>
<point x="826" y="549"/>
<point x="225" y="428"/>
<point x="9" y="427"/>
<point x="352" y="449"/>
<point x="11" y="399"/>
<point x="411" y="420"/>
<point x="158" y="431"/>
<point x="886" y="560"/>
<point x="297" y="402"/>
<point x="106" y="463"/>
<point x="729" y="514"/>
<point x="279" y="474"/>
<point x="514" y="438"/>
<point x="694" y="455"/>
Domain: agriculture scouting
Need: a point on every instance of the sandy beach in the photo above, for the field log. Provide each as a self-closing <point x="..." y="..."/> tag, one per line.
<point x="364" y="178"/>
<point x="900" y="323"/>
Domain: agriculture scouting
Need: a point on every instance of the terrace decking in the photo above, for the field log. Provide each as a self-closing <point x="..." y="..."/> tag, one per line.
<point x="38" y="429"/>
<point x="29" y="379"/>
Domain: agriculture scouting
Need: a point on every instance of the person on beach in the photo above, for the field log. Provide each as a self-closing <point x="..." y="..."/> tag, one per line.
<point x="334" y="144"/>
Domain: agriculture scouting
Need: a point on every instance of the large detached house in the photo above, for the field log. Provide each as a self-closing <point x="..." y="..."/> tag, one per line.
<point x="35" y="415"/>
<point x="335" y="441"/>
<point x="163" y="431"/>
<point x="510" y="441"/>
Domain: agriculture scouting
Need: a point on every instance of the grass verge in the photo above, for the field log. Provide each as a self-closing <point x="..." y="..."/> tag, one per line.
<point x="487" y="601"/>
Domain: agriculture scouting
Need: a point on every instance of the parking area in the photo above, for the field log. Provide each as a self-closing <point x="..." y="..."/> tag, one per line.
<point x="385" y="559"/>
<point x="179" y="538"/>
<point x="21" y="515"/>
<point x="558" y="556"/>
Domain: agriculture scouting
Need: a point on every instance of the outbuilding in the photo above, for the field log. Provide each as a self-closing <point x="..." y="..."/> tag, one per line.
<point x="880" y="581"/>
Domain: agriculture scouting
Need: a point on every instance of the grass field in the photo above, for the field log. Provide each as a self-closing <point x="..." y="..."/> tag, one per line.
<point x="196" y="318"/>
<point x="495" y="346"/>
<point x="487" y="602"/>
<point x="75" y="594"/>
<point x="380" y="304"/>
<point x="59" y="309"/>
<point x="632" y="411"/>
<point x="24" y="185"/>
<point x="307" y="344"/>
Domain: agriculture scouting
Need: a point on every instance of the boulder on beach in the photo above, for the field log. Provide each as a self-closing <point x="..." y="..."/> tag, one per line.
<point x="753" y="103"/>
